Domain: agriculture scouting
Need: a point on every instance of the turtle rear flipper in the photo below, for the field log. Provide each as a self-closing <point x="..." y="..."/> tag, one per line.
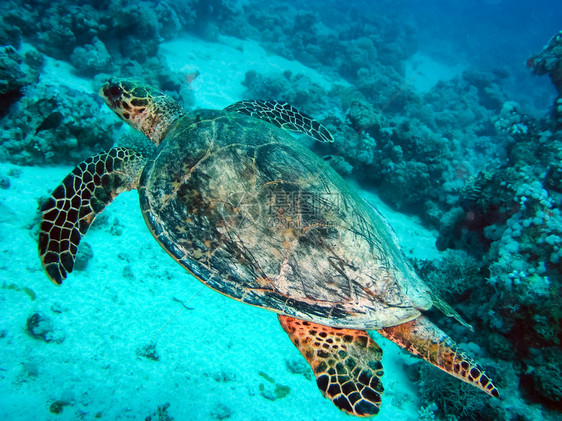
<point x="75" y="203"/>
<point x="424" y="339"/>
<point x="283" y="115"/>
<point x="346" y="364"/>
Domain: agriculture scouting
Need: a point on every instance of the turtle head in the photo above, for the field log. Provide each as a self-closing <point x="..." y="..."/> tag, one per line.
<point x="142" y="106"/>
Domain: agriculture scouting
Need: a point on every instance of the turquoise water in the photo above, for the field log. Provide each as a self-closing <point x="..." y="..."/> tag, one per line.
<point x="446" y="117"/>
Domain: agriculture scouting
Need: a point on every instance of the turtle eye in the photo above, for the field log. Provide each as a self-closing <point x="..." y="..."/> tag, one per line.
<point x="115" y="92"/>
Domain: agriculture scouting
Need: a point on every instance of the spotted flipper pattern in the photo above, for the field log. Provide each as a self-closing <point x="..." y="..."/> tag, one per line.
<point x="346" y="363"/>
<point x="424" y="339"/>
<point x="75" y="203"/>
<point x="283" y="115"/>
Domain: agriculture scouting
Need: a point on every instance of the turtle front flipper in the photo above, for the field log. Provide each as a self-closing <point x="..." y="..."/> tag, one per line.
<point x="283" y="115"/>
<point x="75" y="203"/>
<point x="346" y="363"/>
<point x="424" y="339"/>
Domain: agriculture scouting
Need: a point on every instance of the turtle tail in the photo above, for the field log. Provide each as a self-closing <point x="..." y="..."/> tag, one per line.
<point x="424" y="339"/>
<point x="75" y="203"/>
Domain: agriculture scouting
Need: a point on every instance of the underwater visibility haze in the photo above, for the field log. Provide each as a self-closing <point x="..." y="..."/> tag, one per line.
<point x="386" y="176"/>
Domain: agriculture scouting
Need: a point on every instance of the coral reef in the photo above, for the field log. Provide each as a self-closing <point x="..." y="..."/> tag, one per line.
<point x="16" y="72"/>
<point x="91" y="59"/>
<point x="549" y="61"/>
<point x="99" y="39"/>
<point x="451" y="398"/>
<point x="54" y="124"/>
<point x="453" y="275"/>
<point x="543" y="370"/>
<point x="365" y="49"/>
<point x="298" y="90"/>
<point x="125" y="30"/>
<point x="512" y="214"/>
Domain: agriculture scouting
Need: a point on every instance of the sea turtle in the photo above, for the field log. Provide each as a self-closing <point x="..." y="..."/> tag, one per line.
<point x="251" y="212"/>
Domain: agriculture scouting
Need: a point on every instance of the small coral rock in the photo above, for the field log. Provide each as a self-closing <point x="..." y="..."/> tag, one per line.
<point x="41" y="326"/>
<point x="84" y="255"/>
<point x="149" y="351"/>
<point x="221" y="412"/>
